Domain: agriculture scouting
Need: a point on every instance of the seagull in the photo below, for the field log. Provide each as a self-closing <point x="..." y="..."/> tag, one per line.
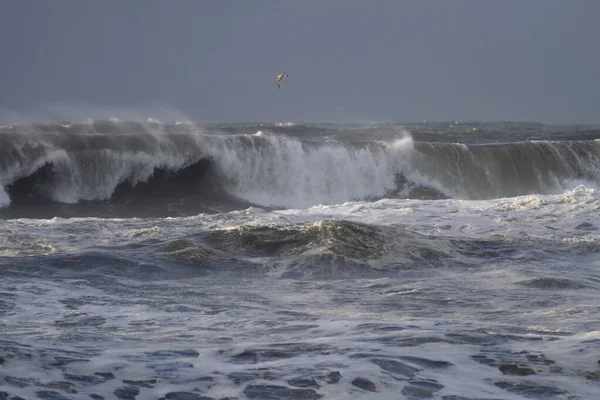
<point x="280" y="77"/>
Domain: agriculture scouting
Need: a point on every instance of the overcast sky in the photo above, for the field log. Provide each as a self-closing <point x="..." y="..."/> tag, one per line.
<point x="348" y="60"/>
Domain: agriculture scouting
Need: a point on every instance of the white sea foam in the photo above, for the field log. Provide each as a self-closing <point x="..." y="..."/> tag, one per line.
<point x="138" y="314"/>
<point x="285" y="172"/>
<point x="471" y="285"/>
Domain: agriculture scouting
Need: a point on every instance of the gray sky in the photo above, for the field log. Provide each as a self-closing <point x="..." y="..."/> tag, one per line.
<point x="348" y="60"/>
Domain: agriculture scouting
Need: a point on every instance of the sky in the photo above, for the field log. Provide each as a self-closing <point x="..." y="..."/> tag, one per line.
<point x="347" y="60"/>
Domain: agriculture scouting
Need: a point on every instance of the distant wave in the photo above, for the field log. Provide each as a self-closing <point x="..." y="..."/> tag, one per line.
<point x="155" y="168"/>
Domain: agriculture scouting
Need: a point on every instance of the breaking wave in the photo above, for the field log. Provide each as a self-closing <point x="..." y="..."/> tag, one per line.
<point x="181" y="169"/>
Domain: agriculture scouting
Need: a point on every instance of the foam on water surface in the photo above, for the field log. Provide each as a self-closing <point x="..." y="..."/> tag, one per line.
<point x="444" y="299"/>
<point x="431" y="264"/>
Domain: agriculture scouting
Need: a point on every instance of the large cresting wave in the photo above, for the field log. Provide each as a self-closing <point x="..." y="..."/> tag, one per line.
<point x="189" y="170"/>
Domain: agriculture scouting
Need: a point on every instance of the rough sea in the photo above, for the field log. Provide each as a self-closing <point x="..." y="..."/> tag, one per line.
<point x="453" y="261"/>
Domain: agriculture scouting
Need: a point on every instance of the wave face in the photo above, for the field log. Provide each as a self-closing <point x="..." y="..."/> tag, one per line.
<point x="507" y="170"/>
<point x="107" y="168"/>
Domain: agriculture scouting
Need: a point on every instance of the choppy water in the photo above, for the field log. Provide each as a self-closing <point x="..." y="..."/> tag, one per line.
<point x="445" y="261"/>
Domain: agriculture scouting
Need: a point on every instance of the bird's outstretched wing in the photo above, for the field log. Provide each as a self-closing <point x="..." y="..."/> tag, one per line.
<point x="280" y="77"/>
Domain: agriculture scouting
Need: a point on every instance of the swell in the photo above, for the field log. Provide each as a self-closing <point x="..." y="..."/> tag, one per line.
<point x="341" y="249"/>
<point x="182" y="173"/>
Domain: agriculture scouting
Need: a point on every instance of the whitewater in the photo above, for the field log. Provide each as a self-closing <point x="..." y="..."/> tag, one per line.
<point x="150" y="260"/>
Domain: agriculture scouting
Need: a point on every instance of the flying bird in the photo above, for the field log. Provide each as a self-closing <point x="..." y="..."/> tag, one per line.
<point x="280" y="77"/>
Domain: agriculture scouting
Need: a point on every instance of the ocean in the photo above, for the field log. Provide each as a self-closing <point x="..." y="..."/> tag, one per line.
<point x="149" y="260"/>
